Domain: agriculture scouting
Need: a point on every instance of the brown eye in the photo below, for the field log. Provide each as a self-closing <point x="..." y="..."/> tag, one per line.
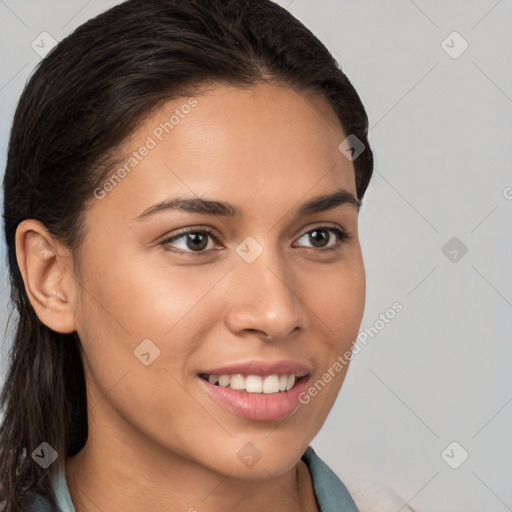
<point x="321" y="236"/>
<point x="193" y="241"/>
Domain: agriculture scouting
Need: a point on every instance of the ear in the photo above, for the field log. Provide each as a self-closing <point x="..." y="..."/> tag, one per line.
<point x="47" y="270"/>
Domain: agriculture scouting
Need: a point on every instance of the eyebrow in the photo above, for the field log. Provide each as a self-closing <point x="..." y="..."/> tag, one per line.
<point x="211" y="207"/>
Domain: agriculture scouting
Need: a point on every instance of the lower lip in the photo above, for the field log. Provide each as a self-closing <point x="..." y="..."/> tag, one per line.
<point x="258" y="406"/>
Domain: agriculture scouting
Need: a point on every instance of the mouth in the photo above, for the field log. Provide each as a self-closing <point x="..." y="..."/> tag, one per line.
<point x="267" y="385"/>
<point x="255" y="397"/>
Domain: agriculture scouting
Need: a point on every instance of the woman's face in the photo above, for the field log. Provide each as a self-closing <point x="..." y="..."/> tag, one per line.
<point x="269" y="291"/>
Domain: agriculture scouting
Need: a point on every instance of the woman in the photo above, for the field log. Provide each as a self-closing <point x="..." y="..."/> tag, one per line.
<point x="181" y="203"/>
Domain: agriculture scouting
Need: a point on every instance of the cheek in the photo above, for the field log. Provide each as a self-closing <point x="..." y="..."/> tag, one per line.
<point x="156" y="310"/>
<point x="147" y="301"/>
<point x="130" y="311"/>
<point x="337" y="307"/>
<point x="337" y="300"/>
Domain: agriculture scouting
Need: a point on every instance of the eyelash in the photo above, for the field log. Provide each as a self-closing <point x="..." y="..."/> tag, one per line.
<point x="343" y="237"/>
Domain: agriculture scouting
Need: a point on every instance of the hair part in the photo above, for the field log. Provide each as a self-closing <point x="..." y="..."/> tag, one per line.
<point x="82" y="102"/>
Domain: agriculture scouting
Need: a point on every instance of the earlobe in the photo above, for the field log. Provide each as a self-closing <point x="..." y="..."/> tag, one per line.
<point x="46" y="268"/>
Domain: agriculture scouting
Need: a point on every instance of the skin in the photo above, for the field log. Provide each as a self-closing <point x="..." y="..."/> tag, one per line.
<point x="156" y="439"/>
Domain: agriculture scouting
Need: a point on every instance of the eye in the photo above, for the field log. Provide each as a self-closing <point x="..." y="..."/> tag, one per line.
<point x="196" y="241"/>
<point x="322" y="235"/>
<point x="192" y="241"/>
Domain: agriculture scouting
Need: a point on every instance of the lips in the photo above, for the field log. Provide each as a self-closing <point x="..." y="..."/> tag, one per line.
<point x="257" y="390"/>
<point x="261" y="368"/>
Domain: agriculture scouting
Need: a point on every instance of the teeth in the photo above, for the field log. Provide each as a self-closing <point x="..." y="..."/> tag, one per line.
<point x="224" y="381"/>
<point x="237" y="382"/>
<point x="271" y="384"/>
<point x="254" y="383"/>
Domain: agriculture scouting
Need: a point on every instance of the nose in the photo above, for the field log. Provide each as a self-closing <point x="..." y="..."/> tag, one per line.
<point x="263" y="299"/>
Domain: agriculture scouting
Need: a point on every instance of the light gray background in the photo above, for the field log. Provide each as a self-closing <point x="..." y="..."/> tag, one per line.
<point x="440" y="128"/>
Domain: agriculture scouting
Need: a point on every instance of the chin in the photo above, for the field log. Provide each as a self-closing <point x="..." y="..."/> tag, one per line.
<point x="260" y="458"/>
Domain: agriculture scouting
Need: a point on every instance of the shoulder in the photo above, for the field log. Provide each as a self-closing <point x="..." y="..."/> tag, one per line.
<point x="37" y="503"/>
<point x="331" y="493"/>
<point x="376" y="496"/>
<point x="34" y="502"/>
<point x="360" y="495"/>
<point x="31" y="502"/>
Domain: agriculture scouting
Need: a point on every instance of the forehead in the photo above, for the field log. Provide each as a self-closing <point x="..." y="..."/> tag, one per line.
<point x="268" y="145"/>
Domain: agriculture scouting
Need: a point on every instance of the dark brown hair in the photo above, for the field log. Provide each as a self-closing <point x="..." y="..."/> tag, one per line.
<point x="81" y="103"/>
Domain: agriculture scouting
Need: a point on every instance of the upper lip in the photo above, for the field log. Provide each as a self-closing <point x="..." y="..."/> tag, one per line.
<point x="262" y="368"/>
